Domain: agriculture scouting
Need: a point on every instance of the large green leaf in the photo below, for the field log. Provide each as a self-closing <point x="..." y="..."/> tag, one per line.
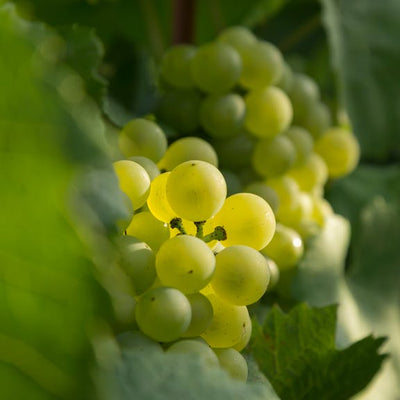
<point x="297" y="353"/>
<point x="50" y="132"/>
<point x="365" y="49"/>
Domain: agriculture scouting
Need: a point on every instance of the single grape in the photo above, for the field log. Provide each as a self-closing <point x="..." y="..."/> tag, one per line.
<point x="313" y="173"/>
<point x="180" y="109"/>
<point x="262" y="65"/>
<point x="216" y="67"/>
<point x="229" y="148"/>
<point x="202" y="314"/>
<point x="274" y="273"/>
<point x="241" y="275"/>
<point x="197" y="349"/>
<point x="141" y="137"/>
<point x="317" y="119"/>
<point x="222" y="115"/>
<point x="229" y="325"/>
<point x="247" y="219"/>
<point x="244" y="340"/>
<point x="149" y="165"/>
<point x="175" y="66"/>
<point x="157" y="200"/>
<point x="123" y="222"/>
<point x="163" y="314"/>
<point x="186" y="149"/>
<point x="233" y="363"/>
<point x="297" y="214"/>
<point x="186" y="263"/>
<point x="303" y="93"/>
<point x="137" y="260"/>
<point x="149" y="229"/>
<point x="302" y="141"/>
<point x="133" y="180"/>
<point x="273" y="156"/>
<point x="268" y="111"/>
<point x="286" y="80"/>
<point x="238" y="37"/>
<point x="286" y="247"/>
<point x="264" y="191"/>
<point x="340" y="150"/>
<point x="196" y="190"/>
<point x="287" y="190"/>
<point x="321" y="210"/>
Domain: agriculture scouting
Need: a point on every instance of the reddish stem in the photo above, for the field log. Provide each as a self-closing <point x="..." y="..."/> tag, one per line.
<point x="183" y="21"/>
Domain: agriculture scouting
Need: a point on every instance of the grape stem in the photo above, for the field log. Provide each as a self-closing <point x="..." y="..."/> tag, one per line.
<point x="199" y="229"/>
<point x="218" y="234"/>
<point x="178" y="224"/>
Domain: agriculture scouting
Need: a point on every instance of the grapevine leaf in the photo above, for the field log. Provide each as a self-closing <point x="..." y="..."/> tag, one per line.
<point x="154" y="375"/>
<point x="297" y="353"/>
<point x="50" y="132"/>
<point x="363" y="38"/>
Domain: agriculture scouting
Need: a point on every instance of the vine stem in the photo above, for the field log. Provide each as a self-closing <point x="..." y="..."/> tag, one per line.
<point x="183" y="21"/>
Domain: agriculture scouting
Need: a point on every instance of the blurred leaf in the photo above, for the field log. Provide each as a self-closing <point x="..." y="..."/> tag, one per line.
<point x="84" y="53"/>
<point x="297" y="353"/>
<point x="365" y="49"/>
<point x="147" y="374"/>
<point x="367" y="291"/>
<point x="50" y="133"/>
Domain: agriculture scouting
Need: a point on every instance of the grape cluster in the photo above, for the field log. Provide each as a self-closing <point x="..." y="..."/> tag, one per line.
<point x="203" y="243"/>
<point x="272" y="134"/>
<point x="192" y="253"/>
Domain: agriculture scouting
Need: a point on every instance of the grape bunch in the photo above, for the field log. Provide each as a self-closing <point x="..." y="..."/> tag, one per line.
<point x="224" y="207"/>
<point x="272" y="134"/>
<point x="192" y="253"/>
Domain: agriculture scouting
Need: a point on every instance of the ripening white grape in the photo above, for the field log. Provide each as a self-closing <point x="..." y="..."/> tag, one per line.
<point x="202" y="314"/>
<point x="233" y="363"/>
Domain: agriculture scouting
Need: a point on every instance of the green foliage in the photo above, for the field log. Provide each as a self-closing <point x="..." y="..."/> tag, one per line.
<point x="153" y="375"/>
<point x="297" y="353"/>
<point x="363" y="38"/>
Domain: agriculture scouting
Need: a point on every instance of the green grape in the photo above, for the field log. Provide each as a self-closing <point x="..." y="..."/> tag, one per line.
<point x="186" y="263"/>
<point x="264" y="191"/>
<point x="274" y="273"/>
<point x="302" y="141"/>
<point x="133" y="180"/>
<point x="216" y="67"/>
<point x="313" y="173"/>
<point x="273" y="156"/>
<point x="229" y="325"/>
<point x="287" y="190"/>
<point x="244" y="340"/>
<point x="141" y="137"/>
<point x="149" y="165"/>
<point x="222" y="115"/>
<point x="303" y="94"/>
<point x="137" y="260"/>
<point x="157" y="199"/>
<point x="195" y="348"/>
<point x="238" y="37"/>
<point x="340" y="150"/>
<point x="233" y="363"/>
<point x="123" y="222"/>
<point x="247" y="219"/>
<point x="286" y="247"/>
<point x="229" y="148"/>
<point x="262" y="65"/>
<point x="286" y="80"/>
<point x="317" y="119"/>
<point x="232" y="182"/>
<point x="148" y="229"/>
<point x="137" y="342"/>
<point x="202" y="314"/>
<point x="163" y="314"/>
<point x="175" y="66"/>
<point x="321" y="211"/>
<point x="186" y="149"/>
<point x="297" y="214"/>
<point x="196" y="190"/>
<point x="268" y="112"/>
<point x="241" y="275"/>
<point x="179" y="109"/>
